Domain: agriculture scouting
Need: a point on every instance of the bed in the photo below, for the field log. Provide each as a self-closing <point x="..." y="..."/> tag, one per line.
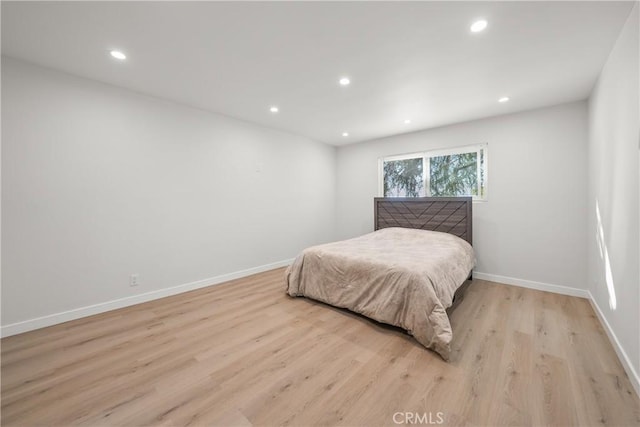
<point x="405" y="273"/>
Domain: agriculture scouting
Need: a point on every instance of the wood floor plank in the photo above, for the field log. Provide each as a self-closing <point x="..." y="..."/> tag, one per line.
<point x="243" y="353"/>
<point x="514" y="382"/>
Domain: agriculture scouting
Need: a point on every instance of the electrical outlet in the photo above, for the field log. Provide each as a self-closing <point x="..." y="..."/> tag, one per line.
<point x="134" y="280"/>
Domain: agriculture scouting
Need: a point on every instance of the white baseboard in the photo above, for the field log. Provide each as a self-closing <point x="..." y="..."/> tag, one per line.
<point x="65" y="316"/>
<point x="547" y="287"/>
<point x="622" y="355"/>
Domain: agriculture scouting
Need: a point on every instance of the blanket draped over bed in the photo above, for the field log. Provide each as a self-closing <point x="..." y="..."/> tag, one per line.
<point x="403" y="277"/>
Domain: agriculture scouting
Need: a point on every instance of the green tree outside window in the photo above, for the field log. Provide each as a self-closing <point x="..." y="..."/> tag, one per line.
<point x="458" y="172"/>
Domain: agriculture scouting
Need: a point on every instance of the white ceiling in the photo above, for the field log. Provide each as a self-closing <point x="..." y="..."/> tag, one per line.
<point x="406" y="60"/>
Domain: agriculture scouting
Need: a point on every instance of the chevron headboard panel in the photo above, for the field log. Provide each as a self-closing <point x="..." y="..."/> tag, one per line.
<point x="447" y="214"/>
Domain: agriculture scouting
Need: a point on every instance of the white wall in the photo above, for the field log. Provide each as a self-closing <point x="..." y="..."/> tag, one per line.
<point x="614" y="132"/>
<point x="532" y="226"/>
<point x="99" y="182"/>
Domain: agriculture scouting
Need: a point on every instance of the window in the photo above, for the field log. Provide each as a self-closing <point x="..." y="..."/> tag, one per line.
<point x="452" y="172"/>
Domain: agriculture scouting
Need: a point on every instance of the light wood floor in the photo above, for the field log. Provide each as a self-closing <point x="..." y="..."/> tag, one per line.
<point x="243" y="353"/>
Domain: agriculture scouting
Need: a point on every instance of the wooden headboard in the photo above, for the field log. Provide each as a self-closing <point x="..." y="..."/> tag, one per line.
<point x="447" y="214"/>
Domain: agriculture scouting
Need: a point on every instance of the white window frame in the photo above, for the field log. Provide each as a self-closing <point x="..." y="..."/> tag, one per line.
<point x="425" y="155"/>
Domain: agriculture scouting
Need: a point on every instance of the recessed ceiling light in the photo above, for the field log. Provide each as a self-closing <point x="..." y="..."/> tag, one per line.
<point x="118" y="55"/>
<point x="504" y="99"/>
<point x="344" y="81"/>
<point x="479" y="25"/>
<point x="274" y="109"/>
<point x="407" y="121"/>
<point x="345" y="134"/>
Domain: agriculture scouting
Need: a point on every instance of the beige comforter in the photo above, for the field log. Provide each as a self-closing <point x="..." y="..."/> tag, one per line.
<point x="403" y="277"/>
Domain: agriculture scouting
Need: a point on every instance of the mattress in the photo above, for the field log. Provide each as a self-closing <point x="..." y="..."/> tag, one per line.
<point x="399" y="276"/>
